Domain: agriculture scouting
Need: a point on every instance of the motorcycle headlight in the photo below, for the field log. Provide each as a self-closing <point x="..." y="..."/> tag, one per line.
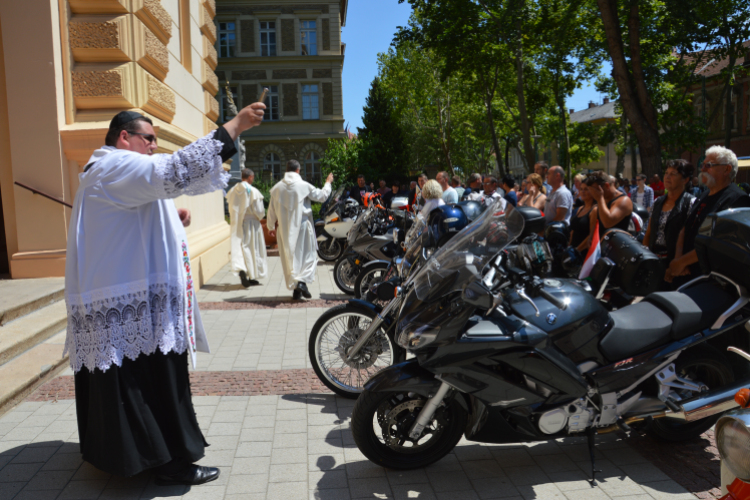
<point x="415" y="339"/>
<point x="733" y="442"/>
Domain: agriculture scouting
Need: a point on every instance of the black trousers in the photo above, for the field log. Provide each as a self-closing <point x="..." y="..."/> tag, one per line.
<point x="138" y="416"/>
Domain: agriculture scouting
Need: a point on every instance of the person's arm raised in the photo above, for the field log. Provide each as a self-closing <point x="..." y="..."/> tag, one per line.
<point x="249" y="117"/>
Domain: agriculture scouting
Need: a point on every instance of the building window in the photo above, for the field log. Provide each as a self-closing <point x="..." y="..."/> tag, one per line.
<point x="272" y="104"/>
<point x="272" y="165"/>
<point x="310" y="102"/>
<point x="312" y="168"/>
<point x="267" y="38"/>
<point x="227" y="115"/>
<point x="227" y="35"/>
<point x="309" y="38"/>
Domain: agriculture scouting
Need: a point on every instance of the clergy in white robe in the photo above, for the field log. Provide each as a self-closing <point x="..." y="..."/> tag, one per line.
<point x="248" y="245"/>
<point x="133" y="318"/>
<point x="290" y="209"/>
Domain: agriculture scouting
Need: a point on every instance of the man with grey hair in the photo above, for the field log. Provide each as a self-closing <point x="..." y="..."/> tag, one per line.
<point x="559" y="204"/>
<point x="718" y="171"/>
<point x="474" y="187"/>
<point x="248" y="245"/>
<point x="290" y="212"/>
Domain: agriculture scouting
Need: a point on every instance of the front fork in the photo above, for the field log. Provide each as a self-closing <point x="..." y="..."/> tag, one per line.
<point x="376" y="323"/>
<point x="428" y="411"/>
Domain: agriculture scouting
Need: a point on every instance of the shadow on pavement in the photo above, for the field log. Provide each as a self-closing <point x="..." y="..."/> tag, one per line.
<point x="224" y="287"/>
<point x="53" y="469"/>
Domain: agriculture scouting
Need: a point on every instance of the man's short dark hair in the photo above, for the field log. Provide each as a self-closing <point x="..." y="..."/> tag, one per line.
<point x="132" y="126"/>
<point x="683" y="167"/>
<point x="456" y="179"/>
<point x="360" y="176"/>
<point x="246" y="172"/>
<point x="509" y="180"/>
<point x="292" y="166"/>
<point x="421" y="176"/>
<point x="542" y="164"/>
<point x="491" y="179"/>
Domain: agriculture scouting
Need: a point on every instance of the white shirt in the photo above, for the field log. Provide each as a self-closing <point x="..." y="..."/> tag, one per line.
<point x="128" y="279"/>
<point x="431" y="205"/>
<point x="450" y="195"/>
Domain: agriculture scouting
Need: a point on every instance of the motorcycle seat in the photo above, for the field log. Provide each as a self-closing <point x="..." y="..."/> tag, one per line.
<point x="636" y="328"/>
<point x="663" y="317"/>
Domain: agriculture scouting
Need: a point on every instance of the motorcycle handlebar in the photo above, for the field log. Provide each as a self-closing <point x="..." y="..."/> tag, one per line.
<point x="553" y="300"/>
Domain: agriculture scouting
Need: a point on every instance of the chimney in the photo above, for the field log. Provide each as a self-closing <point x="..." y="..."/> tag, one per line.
<point x="606" y="100"/>
<point x="592" y="104"/>
<point x="572" y="111"/>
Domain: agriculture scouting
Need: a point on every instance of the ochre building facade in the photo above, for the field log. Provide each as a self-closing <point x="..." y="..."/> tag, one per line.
<point x="66" y="67"/>
<point x="294" y="49"/>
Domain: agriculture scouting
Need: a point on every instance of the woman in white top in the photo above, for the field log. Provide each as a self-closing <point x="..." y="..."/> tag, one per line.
<point x="432" y="192"/>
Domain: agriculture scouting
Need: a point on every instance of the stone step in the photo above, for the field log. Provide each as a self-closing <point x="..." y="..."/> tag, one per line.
<point x="21" y="297"/>
<point x="32" y="329"/>
<point x="24" y="373"/>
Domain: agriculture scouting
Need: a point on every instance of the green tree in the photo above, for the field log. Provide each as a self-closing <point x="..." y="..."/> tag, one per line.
<point x="342" y="160"/>
<point x="383" y="151"/>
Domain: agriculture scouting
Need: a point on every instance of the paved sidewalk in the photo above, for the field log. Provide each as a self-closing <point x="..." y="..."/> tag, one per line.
<point x="300" y="446"/>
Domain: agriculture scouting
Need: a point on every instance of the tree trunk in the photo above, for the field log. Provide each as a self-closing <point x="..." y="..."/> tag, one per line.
<point x="635" y="104"/>
<point x="728" y="111"/>
<point x="528" y="152"/>
<point x="620" y="168"/>
<point x="493" y="132"/>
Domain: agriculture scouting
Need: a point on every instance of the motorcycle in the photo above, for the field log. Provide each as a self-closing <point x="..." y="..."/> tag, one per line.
<point x="502" y="356"/>
<point x="733" y="441"/>
<point x="369" y="242"/>
<point x="336" y="222"/>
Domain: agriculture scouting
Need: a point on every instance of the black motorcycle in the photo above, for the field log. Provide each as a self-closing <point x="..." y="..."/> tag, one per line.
<point x="504" y="356"/>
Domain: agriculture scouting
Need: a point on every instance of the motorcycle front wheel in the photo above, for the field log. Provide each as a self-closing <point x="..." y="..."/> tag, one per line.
<point x="381" y="422"/>
<point x="345" y="275"/>
<point x="372" y="274"/>
<point x="330" y="250"/>
<point x="331" y="338"/>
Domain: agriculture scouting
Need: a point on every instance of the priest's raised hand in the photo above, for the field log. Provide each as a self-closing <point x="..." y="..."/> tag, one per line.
<point x="248" y="117"/>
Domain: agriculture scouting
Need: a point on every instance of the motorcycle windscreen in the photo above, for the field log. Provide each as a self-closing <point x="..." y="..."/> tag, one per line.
<point x="462" y="259"/>
<point x="361" y="224"/>
<point x="416" y="239"/>
<point x="333" y="200"/>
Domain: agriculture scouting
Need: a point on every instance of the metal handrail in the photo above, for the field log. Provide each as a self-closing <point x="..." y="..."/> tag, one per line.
<point x="36" y="191"/>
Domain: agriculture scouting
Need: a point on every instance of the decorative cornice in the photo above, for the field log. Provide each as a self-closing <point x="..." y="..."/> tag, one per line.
<point x="98" y="6"/>
<point x="150" y="52"/>
<point x="210" y="80"/>
<point x="155" y="17"/>
<point x="209" y="54"/>
<point x="211" y="106"/>
<point x="104" y="86"/>
<point x="100" y="38"/>
<point x="161" y="100"/>
<point x="207" y="27"/>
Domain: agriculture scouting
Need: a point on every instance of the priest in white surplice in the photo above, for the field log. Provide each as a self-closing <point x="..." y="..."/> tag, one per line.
<point x="130" y="293"/>
<point x="248" y="245"/>
<point x="290" y="210"/>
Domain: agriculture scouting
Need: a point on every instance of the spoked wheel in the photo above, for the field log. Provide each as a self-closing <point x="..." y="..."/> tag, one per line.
<point x="345" y="275"/>
<point x="330" y="249"/>
<point x="709" y="369"/>
<point x="381" y="422"/>
<point x="370" y="275"/>
<point x="332" y="337"/>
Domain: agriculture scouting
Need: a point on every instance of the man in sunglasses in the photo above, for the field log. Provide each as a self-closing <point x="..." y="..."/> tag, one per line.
<point x="718" y="172"/>
<point x="133" y="318"/>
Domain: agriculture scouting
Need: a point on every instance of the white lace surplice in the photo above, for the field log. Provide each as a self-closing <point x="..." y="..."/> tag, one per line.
<point x="128" y="280"/>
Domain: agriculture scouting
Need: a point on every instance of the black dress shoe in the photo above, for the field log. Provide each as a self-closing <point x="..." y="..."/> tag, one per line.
<point x="243" y="278"/>
<point x="302" y="287"/>
<point x="296" y="294"/>
<point x="253" y="283"/>
<point x="193" y="475"/>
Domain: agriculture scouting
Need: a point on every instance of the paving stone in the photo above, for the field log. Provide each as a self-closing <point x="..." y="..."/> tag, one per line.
<point x="521" y="476"/>
<point x="14" y="473"/>
<point x="325" y="462"/>
<point x="251" y="465"/>
<point x="50" y="480"/>
<point x="449" y="480"/>
<point x="262" y="434"/>
<point x="248" y="483"/>
<point x="663" y="490"/>
<point x="27" y="494"/>
<point x="370" y="487"/>
<point x="35" y="455"/>
<point x="224" y="429"/>
<point x="285" y="491"/>
<point x="289" y="456"/>
<point x="83" y="490"/>
<point x="254" y="449"/>
<point x="330" y="494"/>
<point x="412" y="491"/>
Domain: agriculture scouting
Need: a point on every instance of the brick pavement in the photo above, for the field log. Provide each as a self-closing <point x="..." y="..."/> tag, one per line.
<point x="297" y="446"/>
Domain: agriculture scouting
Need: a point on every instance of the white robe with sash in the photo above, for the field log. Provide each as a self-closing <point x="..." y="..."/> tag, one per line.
<point x="129" y="284"/>
<point x="248" y="245"/>
<point x="290" y="207"/>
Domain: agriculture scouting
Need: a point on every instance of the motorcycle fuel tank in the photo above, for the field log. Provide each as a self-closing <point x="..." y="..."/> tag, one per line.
<point x="576" y="330"/>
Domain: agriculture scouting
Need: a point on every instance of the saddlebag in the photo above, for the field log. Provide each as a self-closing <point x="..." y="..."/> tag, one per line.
<point x="534" y="221"/>
<point x="637" y="271"/>
<point x="723" y="245"/>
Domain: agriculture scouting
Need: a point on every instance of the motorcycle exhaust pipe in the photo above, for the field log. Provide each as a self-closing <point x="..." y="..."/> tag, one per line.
<point x="709" y="403"/>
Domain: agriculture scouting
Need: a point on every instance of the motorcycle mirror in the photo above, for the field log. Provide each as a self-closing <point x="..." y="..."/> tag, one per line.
<point x="477" y="295"/>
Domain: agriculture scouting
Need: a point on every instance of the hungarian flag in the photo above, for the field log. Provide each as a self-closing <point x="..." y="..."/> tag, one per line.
<point x="595" y="252"/>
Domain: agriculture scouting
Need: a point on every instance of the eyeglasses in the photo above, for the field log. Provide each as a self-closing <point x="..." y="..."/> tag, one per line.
<point x="708" y="164"/>
<point x="149" y="137"/>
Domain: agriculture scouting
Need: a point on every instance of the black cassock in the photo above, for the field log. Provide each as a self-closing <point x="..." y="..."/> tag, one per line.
<point x="139" y="415"/>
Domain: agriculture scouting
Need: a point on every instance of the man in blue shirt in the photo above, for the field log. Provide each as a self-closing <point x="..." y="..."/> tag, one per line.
<point x="510" y="194"/>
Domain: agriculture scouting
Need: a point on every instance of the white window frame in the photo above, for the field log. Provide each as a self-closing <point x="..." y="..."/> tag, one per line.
<point x="270" y="165"/>
<point x="272" y="103"/>
<point x="224" y="103"/>
<point x="313" y="175"/>
<point x="231" y="38"/>
<point x="308" y="30"/>
<point x="270" y="48"/>
<point x="310" y="102"/>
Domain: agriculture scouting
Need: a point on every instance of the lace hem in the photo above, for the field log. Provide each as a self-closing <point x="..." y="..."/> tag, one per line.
<point x="137" y="320"/>
<point x="195" y="169"/>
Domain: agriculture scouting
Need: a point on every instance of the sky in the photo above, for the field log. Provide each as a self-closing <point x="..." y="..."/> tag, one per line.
<point x="370" y="26"/>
